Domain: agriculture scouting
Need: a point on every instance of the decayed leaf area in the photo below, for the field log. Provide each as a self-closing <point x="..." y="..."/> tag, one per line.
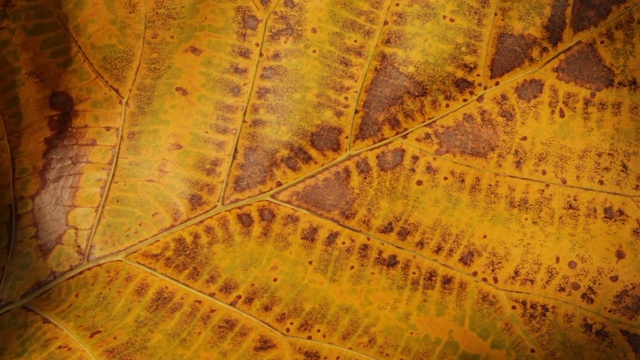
<point x="320" y="179"/>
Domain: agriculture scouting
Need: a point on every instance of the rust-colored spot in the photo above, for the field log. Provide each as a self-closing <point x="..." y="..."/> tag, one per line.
<point x="620" y="254"/>
<point x="264" y="344"/>
<point x="266" y="214"/>
<point x="572" y="264"/>
<point x="182" y="91"/>
<point x="363" y="167"/>
<point x="613" y="278"/>
<point x="388" y="89"/>
<point x="512" y="51"/>
<point x="574" y="286"/>
<point x="561" y="113"/>
<point x="390" y="159"/>
<point x="245" y="219"/>
<point x="589" y="13"/>
<point x="194" y="50"/>
<point x="557" y="21"/>
<point x="326" y="138"/>
<point x="196" y="201"/>
<point x="611" y="214"/>
<point x="468" y="136"/>
<point x="331" y="194"/>
<point x="583" y="66"/>
<point x="467" y="258"/>
<point x="530" y="89"/>
<point x="93" y="334"/>
<point x="463" y="84"/>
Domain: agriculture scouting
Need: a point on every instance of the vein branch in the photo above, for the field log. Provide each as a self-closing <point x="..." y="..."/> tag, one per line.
<point x="12" y="230"/>
<point x="63" y="328"/>
<point x="118" y="146"/>
<point x="469" y="277"/>
<point x="234" y="151"/>
<point x="364" y="77"/>
<point x="524" y="178"/>
<point x="89" y="62"/>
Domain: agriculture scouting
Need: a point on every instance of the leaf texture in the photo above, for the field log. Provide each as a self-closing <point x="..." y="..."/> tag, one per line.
<point x="320" y="179"/>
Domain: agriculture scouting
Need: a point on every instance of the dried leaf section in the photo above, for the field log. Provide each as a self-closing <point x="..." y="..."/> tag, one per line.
<point x="320" y="179"/>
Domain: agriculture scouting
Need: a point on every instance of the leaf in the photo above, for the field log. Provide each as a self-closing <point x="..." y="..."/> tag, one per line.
<point x="289" y="179"/>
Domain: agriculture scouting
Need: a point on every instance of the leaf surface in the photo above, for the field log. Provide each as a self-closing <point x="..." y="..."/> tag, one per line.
<point x="320" y="179"/>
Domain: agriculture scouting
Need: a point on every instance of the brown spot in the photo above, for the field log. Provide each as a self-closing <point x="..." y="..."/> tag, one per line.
<point x="627" y="302"/>
<point x="633" y="340"/>
<point x="561" y="113"/>
<point x="363" y="167"/>
<point x="194" y="50"/>
<point x="572" y="264"/>
<point x="314" y="30"/>
<point x="196" y="201"/>
<point x="524" y="138"/>
<point x="245" y="219"/>
<point x="326" y="138"/>
<point x="620" y="254"/>
<point x="392" y="261"/>
<point x="264" y="344"/>
<point x="93" y="334"/>
<point x="467" y="258"/>
<point x="468" y="137"/>
<point x="611" y="214"/>
<point x="60" y="124"/>
<point x="512" y="51"/>
<point x="530" y="89"/>
<point x="589" y="13"/>
<point x="330" y="195"/>
<point x="463" y="84"/>
<point x="563" y="181"/>
<point x="613" y="278"/>
<point x="583" y="66"/>
<point x="574" y="286"/>
<point x="266" y="214"/>
<point x="557" y="21"/>
<point x="182" y="91"/>
<point x="389" y="88"/>
<point x="390" y="159"/>
<point x="175" y="146"/>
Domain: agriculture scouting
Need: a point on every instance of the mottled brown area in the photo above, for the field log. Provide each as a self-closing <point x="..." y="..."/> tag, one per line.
<point x="389" y="88"/>
<point x="330" y="195"/>
<point x="530" y="90"/>
<point x="194" y="50"/>
<point x="467" y="258"/>
<point x="255" y="169"/>
<point x="557" y="21"/>
<point x="327" y="138"/>
<point x="583" y="66"/>
<point x="468" y="136"/>
<point x="627" y="302"/>
<point x="512" y="51"/>
<point x="246" y="23"/>
<point x="589" y="13"/>
<point x="611" y="214"/>
<point x="363" y="167"/>
<point x="196" y="201"/>
<point x="633" y="340"/>
<point x="463" y="84"/>
<point x="390" y="159"/>
<point x="620" y="254"/>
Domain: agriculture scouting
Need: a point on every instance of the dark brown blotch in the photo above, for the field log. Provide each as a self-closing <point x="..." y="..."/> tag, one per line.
<point x="196" y="201"/>
<point x="61" y="123"/>
<point x="530" y="90"/>
<point x="266" y="214"/>
<point x="390" y="159"/>
<point x="589" y="13"/>
<point x="633" y="340"/>
<point x="620" y="254"/>
<point x="557" y="21"/>
<point x="389" y="88"/>
<point x="327" y="138"/>
<point x="583" y="66"/>
<point x="627" y="302"/>
<point x="330" y="195"/>
<point x="194" y="50"/>
<point x="463" y="85"/>
<point x="264" y="344"/>
<point x="182" y="91"/>
<point x="246" y="220"/>
<point x="512" y="51"/>
<point x="363" y="167"/>
<point x="572" y="264"/>
<point x="468" y="136"/>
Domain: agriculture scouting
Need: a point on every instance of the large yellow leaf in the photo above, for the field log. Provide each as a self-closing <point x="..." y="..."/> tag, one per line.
<point x="319" y="179"/>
